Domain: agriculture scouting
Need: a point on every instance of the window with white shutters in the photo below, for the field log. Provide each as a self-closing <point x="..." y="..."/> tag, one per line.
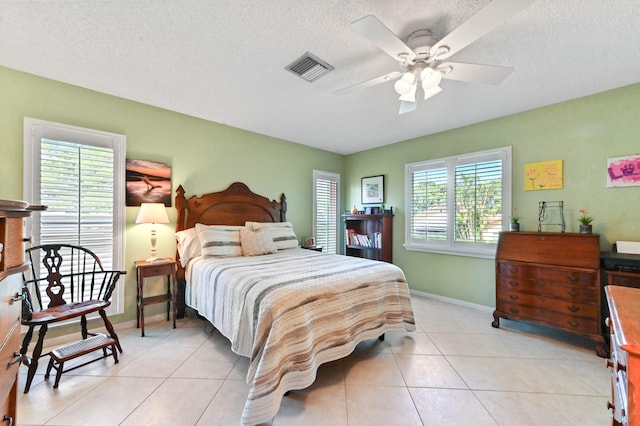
<point x="458" y="205"/>
<point x="326" y="193"/>
<point x="79" y="175"/>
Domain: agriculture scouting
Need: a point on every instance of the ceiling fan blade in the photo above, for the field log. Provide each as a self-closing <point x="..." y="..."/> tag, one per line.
<point x="474" y="73"/>
<point x="371" y="28"/>
<point x="478" y="25"/>
<point x="406" y="106"/>
<point x="378" y="80"/>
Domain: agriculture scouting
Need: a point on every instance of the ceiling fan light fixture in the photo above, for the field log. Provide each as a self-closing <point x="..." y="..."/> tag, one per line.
<point x="430" y="78"/>
<point x="405" y="84"/>
<point x="410" y="96"/>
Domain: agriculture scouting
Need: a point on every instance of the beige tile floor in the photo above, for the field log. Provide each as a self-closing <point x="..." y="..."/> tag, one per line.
<point x="455" y="370"/>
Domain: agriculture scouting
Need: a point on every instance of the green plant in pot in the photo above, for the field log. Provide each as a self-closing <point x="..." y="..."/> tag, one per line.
<point x="585" y="222"/>
<point x="515" y="221"/>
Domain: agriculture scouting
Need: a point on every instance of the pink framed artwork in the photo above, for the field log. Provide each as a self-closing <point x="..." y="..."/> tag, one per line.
<point x="623" y="171"/>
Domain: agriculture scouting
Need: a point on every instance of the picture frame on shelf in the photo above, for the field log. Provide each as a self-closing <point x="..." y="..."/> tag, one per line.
<point x="372" y="189"/>
<point x="308" y="241"/>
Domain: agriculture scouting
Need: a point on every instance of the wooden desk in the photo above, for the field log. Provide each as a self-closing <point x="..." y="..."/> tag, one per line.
<point x="553" y="279"/>
<point x="146" y="269"/>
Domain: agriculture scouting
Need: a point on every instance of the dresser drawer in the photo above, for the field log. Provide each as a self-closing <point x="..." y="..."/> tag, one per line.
<point x="10" y="310"/>
<point x="9" y="363"/>
<point x="546" y="288"/>
<point x="11" y="236"/>
<point x="567" y="307"/>
<point x="573" y="276"/>
<point x="159" y="270"/>
<point x="547" y="316"/>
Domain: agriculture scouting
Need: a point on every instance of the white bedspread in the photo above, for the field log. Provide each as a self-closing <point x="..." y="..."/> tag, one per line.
<point x="292" y="311"/>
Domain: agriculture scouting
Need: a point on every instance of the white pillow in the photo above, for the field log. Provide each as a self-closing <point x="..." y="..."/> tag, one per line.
<point x="219" y="240"/>
<point x="256" y="243"/>
<point x="281" y="232"/>
<point x="188" y="245"/>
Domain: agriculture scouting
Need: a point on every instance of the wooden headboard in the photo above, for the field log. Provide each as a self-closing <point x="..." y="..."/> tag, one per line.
<point x="233" y="206"/>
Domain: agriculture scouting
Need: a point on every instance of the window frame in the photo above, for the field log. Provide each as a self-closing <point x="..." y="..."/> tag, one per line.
<point x="334" y="177"/>
<point x="450" y="245"/>
<point x="34" y="131"/>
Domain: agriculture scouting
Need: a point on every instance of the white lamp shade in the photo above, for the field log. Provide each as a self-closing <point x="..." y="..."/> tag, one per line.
<point x="430" y="78"/>
<point x="410" y="96"/>
<point x="432" y="91"/>
<point x="405" y="84"/>
<point x="152" y="213"/>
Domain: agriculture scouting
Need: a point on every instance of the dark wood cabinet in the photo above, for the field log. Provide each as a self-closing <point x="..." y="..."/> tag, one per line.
<point x="369" y="236"/>
<point x="551" y="279"/>
<point x="12" y="265"/>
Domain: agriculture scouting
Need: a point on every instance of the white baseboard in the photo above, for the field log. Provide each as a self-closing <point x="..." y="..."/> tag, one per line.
<point x="452" y="300"/>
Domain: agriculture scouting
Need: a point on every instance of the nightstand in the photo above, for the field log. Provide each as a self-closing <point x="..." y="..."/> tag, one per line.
<point x="144" y="269"/>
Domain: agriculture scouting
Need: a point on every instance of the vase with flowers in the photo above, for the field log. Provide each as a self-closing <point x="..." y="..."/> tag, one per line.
<point x="585" y="222"/>
<point x="515" y="221"/>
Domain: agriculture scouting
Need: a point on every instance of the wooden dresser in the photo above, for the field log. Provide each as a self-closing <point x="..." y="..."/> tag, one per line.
<point x="12" y="264"/>
<point x="552" y="279"/>
<point x="624" y="361"/>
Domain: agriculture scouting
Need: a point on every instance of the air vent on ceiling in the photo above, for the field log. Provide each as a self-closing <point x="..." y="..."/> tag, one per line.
<point x="309" y="67"/>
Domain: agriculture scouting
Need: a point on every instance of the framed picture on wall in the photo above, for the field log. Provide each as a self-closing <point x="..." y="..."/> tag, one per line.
<point x="373" y="189"/>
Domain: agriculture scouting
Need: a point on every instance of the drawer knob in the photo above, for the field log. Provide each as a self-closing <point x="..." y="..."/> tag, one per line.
<point x="608" y="363"/>
<point x="513" y="270"/>
<point x="16" y="298"/>
<point x="620" y="367"/>
<point x="514" y="283"/>
<point x="610" y="406"/>
<point x="18" y="358"/>
<point x="573" y="293"/>
<point x="8" y="419"/>
<point x="573" y="308"/>
<point x="573" y="323"/>
<point x="514" y="310"/>
<point x="514" y="297"/>
<point x="573" y="279"/>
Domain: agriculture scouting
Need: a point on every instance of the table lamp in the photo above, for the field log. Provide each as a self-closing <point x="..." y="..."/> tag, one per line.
<point x="152" y="213"/>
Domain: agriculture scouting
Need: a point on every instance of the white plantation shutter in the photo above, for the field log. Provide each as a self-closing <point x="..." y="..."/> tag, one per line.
<point x="326" y="189"/>
<point x="76" y="183"/>
<point x="458" y="205"/>
<point x="479" y="201"/>
<point x="428" y="203"/>
<point x="79" y="175"/>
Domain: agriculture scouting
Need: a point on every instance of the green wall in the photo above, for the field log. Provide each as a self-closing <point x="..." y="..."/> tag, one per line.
<point x="582" y="132"/>
<point x="207" y="156"/>
<point x="204" y="156"/>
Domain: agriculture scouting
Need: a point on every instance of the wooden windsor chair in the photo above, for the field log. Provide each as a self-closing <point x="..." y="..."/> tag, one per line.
<point x="68" y="282"/>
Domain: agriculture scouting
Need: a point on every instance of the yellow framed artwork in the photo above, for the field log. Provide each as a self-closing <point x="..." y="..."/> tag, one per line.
<point x="543" y="175"/>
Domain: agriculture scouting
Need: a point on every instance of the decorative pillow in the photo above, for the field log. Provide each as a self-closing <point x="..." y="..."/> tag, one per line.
<point x="256" y="243"/>
<point x="281" y="232"/>
<point x="219" y="240"/>
<point x="188" y="245"/>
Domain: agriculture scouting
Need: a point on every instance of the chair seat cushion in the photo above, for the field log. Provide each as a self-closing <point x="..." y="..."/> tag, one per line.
<point x="64" y="312"/>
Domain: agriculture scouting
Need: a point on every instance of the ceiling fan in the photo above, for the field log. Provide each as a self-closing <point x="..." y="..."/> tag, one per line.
<point x="422" y="57"/>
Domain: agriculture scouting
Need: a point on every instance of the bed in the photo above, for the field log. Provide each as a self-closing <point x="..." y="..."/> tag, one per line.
<point x="287" y="309"/>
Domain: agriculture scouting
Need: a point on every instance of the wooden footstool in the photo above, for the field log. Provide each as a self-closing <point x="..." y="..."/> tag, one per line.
<point x="76" y="349"/>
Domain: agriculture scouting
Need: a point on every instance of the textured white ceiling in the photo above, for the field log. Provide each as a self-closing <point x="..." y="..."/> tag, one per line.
<point x="224" y="60"/>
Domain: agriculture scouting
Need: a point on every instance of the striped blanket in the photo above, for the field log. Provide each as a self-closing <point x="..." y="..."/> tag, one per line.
<point x="292" y="311"/>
